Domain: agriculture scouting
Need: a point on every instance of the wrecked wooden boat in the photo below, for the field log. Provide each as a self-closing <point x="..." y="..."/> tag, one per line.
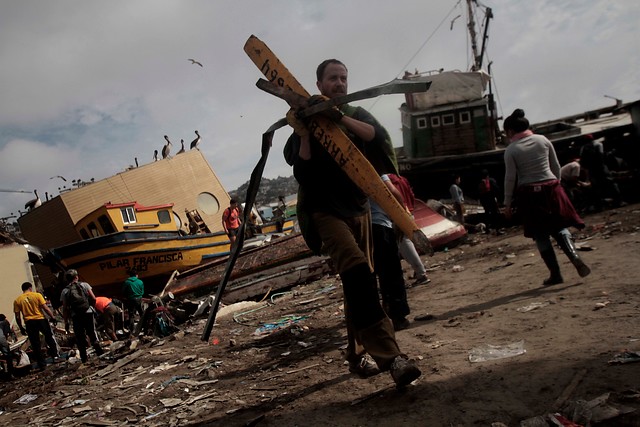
<point x="103" y="228"/>
<point x="125" y="236"/>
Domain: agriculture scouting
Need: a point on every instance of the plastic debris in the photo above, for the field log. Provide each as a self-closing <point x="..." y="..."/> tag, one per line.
<point x="492" y="352"/>
<point x="532" y="306"/>
<point x="625" y="357"/>
<point x="26" y="398"/>
<point x="284" y="322"/>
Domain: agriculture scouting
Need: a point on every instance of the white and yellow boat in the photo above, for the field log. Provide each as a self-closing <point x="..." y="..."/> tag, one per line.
<point x="119" y="237"/>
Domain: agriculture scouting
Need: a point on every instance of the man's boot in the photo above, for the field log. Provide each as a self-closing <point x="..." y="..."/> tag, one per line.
<point x="550" y="260"/>
<point x="566" y="243"/>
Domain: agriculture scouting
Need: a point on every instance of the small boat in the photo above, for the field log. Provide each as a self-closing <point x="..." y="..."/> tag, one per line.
<point x="119" y="237"/>
<point x="440" y="230"/>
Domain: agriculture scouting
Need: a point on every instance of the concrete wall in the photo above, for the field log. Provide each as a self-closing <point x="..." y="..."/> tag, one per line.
<point x="15" y="269"/>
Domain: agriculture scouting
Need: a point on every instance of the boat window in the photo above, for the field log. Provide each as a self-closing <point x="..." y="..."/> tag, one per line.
<point x="164" y="217"/>
<point x="106" y="225"/>
<point x="128" y="215"/>
<point x="84" y="234"/>
<point x="465" y="117"/>
<point x="435" y="121"/>
<point x="421" y="122"/>
<point x="448" y="119"/>
<point x="208" y="203"/>
<point x="93" y="229"/>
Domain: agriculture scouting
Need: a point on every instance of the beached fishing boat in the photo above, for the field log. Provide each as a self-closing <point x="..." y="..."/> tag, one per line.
<point x="120" y="237"/>
<point x="106" y="227"/>
<point x="453" y="127"/>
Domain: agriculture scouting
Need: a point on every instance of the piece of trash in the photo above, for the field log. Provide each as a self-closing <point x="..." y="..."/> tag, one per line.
<point x="82" y="409"/>
<point x="148" y="417"/>
<point x="625" y="357"/>
<point x="497" y="267"/>
<point x="493" y="352"/>
<point x="163" y="367"/>
<point x="532" y="306"/>
<point x="215" y="341"/>
<point x="174" y="379"/>
<point x="457" y="268"/>
<point x="283" y="323"/>
<point x="600" y="305"/>
<point x="26" y="398"/>
<point x="170" y="402"/>
<point x="74" y="403"/>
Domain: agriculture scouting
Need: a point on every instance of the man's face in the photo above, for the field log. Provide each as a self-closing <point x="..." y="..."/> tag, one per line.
<point x="334" y="81"/>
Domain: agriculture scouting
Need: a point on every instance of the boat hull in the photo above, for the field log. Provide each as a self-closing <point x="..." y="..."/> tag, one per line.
<point x="440" y="231"/>
<point x="105" y="261"/>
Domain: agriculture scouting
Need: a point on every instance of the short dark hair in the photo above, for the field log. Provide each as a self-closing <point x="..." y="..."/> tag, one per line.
<point x="133" y="272"/>
<point x="323" y="65"/>
<point x="3" y="317"/>
<point x="26" y="285"/>
<point x="232" y="201"/>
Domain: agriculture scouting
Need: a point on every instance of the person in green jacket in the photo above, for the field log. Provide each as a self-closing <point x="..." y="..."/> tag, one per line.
<point x="132" y="291"/>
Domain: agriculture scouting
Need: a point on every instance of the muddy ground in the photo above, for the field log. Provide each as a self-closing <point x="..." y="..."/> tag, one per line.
<point x="484" y="292"/>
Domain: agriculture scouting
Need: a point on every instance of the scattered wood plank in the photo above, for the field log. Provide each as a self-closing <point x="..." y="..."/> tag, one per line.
<point x="119" y="364"/>
<point x="560" y="401"/>
<point x="302" y="369"/>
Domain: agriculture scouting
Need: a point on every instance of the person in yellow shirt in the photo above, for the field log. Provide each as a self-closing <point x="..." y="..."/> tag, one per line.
<point x="32" y="306"/>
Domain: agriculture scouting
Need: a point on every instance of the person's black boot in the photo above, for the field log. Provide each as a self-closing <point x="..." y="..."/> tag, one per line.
<point x="550" y="260"/>
<point x="566" y="243"/>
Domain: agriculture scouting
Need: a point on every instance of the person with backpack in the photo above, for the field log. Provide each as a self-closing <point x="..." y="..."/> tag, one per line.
<point x="32" y="306"/>
<point x="78" y="303"/>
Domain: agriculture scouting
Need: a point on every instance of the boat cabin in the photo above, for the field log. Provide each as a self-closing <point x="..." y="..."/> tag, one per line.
<point x="453" y="117"/>
<point x="112" y="218"/>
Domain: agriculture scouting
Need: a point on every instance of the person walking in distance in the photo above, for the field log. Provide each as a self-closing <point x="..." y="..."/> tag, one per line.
<point x="458" y="198"/>
<point x="78" y="303"/>
<point x="531" y="161"/>
<point x="406" y="247"/>
<point x="31" y="306"/>
<point x="487" y="193"/>
<point x="133" y="291"/>
<point x="338" y="222"/>
<point x="231" y="220"/>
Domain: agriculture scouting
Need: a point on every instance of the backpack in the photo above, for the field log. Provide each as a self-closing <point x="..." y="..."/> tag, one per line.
<point x="402" y="184"/>
<point x="485" y="186"/>
<point x="78" y="300"/>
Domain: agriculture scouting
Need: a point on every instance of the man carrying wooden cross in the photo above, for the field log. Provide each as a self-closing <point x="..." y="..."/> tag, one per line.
<point x="336" y="215"/>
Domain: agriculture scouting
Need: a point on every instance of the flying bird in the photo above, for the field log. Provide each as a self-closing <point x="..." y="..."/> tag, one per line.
<point x="167" y="148"/>
<point x="195" y="142"/>
<point x="59" y="176"/>
<point x="181" y="149"/>
<point x="193" y="61"/>
<point x="34" y="203"/>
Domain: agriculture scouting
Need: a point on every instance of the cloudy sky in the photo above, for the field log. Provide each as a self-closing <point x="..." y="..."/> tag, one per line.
<point x="86" y="87"/>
